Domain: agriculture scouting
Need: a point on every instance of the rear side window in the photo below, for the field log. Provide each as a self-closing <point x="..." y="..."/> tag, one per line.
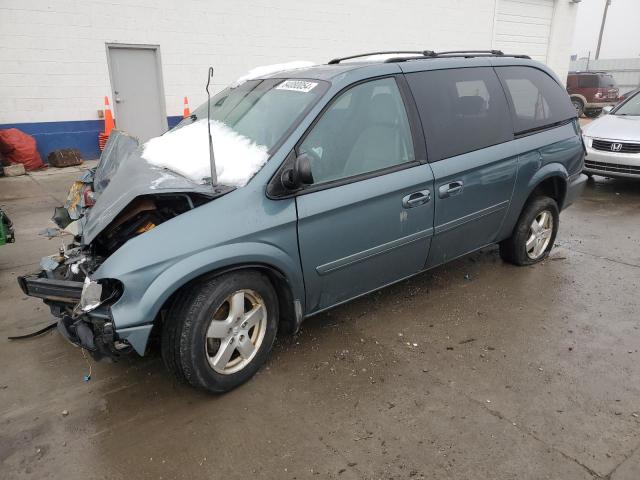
<point x="596" y="81"/>
<point x="537" y="100"/>
<point x="588" y="81"/>
<point x="462" y="110"/>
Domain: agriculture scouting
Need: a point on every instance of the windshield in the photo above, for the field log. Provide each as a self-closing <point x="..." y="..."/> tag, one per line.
<point x="261" y="110"/>
<point x="248" y="121"/>
<point x="630" y="107"/>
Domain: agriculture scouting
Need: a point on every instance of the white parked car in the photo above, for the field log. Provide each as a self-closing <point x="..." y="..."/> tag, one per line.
<point x="613" y="141"/>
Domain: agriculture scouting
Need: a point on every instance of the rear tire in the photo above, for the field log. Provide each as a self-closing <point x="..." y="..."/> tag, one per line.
<point x="531" y="242"/>
<point x="220" y="331"/>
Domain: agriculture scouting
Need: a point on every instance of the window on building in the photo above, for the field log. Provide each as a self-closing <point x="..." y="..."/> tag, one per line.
<point x="365" y="129"/>
<point x="462" y="110"/>
<point x="537" y="100"/>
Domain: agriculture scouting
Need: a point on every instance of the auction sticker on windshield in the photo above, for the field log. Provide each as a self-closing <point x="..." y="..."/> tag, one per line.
<point x="297" y="85"/>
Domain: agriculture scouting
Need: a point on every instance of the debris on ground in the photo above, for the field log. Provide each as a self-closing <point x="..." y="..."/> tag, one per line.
<point x="49" y="232"/>
<point x="66" y="157"/>
<point x="18" y="147"/>
<point x="13" y="170"/>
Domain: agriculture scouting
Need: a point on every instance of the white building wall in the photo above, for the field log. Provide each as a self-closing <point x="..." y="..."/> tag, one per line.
<point x="524" y="26"/>
<point x="53" y="64"/>
<point x="561" y="36"/>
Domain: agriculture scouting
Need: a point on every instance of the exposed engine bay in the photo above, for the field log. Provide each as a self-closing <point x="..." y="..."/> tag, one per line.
<point x="122" y="198"/>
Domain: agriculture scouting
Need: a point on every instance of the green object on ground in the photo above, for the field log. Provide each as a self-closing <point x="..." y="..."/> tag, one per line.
<point x="6" y="229"/>
<point x="3" y="235"/>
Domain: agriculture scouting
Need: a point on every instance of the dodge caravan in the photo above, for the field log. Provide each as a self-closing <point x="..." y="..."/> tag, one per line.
<point x="299" y="190"/>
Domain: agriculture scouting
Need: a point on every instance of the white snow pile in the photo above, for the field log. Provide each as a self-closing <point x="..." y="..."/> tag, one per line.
<point x="265" y="70"/>
<point x="186" y="151"/>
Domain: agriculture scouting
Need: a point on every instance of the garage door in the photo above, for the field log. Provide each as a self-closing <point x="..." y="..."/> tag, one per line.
<point x="524" y="26"/>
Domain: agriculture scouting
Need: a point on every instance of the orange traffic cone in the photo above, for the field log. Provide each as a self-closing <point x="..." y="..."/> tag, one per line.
<point x="186" y="113"/>
<point x="109" y="124"/>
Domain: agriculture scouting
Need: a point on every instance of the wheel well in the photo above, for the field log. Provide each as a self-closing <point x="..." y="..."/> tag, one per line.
<point x="288" y="322"/>
<point x="554" y="187"/>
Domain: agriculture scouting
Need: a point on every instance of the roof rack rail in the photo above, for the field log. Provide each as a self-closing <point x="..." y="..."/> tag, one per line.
<point x="422" y="54"/>
<point x="458" y="54"/>
<point x="388" y="52"/>
<point x="497" y="53"/>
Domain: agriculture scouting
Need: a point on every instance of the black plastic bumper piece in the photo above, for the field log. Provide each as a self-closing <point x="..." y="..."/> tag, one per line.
<point x="575" y="189"/>
<point x="65" y="291"/>
<point x="97" y="339"/>
<point x="77" y="332"/>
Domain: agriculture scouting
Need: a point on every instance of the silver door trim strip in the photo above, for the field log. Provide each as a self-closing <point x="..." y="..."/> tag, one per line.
<point x="445" y="227"/>
<point x="372" y="252"/>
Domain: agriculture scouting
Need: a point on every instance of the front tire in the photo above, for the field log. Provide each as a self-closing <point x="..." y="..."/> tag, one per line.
<point x="578" y="105"/>
<point x="220" y="331"/>
<point x="534" y="233"/>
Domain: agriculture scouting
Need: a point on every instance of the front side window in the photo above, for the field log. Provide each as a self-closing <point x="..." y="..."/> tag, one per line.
<point x="365" y="129"/>
<point x="537" y="100"/>
<point x="462" y="110"/>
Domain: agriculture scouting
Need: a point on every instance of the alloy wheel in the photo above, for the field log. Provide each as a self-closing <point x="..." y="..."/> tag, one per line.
<point x="540" y="233"/>
<point x="236" y="332"/>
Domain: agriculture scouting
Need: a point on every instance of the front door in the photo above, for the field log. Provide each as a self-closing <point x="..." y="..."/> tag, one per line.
<point x="468" y="131"/>
<point x="367" y="219"/>
<point x="138" y="94"/>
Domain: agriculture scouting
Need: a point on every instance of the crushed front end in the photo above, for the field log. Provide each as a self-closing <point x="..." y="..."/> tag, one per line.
<point x="80" y="304"/>
<point x="122" y="198"/>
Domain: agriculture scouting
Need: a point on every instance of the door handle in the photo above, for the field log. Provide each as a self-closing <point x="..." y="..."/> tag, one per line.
<point x="416" y="198"/>
<point x="450" y="189"/>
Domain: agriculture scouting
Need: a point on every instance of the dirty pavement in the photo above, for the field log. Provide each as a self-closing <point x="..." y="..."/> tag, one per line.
<point x="474" y="370"/>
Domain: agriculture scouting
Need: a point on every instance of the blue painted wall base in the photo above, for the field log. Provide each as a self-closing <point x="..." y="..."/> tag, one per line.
<point x="80" y="134"/>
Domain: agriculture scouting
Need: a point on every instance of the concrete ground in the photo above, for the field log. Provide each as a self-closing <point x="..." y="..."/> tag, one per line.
<point x="475" y="370"/>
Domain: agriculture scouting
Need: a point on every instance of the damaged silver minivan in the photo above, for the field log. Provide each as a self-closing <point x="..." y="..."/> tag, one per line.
<point x="329" y="182"/>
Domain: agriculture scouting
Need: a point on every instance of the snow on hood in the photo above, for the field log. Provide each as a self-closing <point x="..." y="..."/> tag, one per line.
<point x="264" y="70"/>
<point x="186" y="151"/>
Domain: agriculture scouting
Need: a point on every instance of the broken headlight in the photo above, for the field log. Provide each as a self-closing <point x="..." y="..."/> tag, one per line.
<point x="91" y="295"/>
<point x="96" y="293"/>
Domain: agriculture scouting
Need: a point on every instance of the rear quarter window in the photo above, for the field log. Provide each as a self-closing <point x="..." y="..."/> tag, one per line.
<point x="462" y="110"/>
<point x="537" y="101"/>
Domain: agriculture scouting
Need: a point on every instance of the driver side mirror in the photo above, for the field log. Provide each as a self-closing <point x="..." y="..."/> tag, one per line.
<point x="606" y="110"/>
<point x="299" y="174"/>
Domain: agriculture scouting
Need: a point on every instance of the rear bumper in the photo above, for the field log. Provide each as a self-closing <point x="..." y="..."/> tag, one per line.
<point x="600" y="105"/>
<point x="575" y="188"/>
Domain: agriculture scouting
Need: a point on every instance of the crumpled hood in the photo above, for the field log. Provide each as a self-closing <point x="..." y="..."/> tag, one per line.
<point x="122" y="175"/>
<point x="615" y="127"/>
